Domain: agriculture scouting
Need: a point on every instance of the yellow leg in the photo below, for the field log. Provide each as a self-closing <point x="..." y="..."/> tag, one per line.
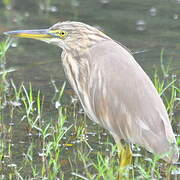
<point x="125" y="156"/>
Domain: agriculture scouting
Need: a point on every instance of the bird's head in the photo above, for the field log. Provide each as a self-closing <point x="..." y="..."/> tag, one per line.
<point x="66" y="35"/>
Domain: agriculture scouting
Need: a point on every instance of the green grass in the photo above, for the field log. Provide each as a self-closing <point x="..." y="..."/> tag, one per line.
<point x="49" y="139"/>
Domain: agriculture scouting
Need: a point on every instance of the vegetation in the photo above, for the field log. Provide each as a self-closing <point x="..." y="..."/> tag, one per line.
<point x="43" y="140"/>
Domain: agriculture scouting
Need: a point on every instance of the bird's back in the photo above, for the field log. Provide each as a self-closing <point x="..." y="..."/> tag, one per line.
<point x="124" y="100"/>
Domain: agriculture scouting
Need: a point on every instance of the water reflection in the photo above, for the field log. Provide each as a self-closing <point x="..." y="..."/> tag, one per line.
<point x="75" y="3"/>
<point x="153" y="11"/>
<point x="178" y="1"/>
<point x="140" y="25"/>
<point x="105" y="2"/>
<point x="176" y="16"/>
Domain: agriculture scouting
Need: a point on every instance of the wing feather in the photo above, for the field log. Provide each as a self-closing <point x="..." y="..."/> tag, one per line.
<point x="125" y="101"/>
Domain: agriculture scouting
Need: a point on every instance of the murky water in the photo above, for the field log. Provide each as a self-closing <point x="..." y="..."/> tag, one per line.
<point x="148" y="26"/>
<point x="140" y="25"/>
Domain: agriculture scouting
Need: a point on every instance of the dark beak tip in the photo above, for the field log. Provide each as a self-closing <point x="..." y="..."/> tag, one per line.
<point x="10" y="33"/>
<point x="6" y="33"/>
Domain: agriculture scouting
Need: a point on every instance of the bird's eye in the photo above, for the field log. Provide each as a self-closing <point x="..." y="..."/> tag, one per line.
<point x="62" y="33"/>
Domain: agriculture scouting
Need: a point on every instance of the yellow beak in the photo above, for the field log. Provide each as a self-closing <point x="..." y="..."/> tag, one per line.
<point x="35" y="34"/>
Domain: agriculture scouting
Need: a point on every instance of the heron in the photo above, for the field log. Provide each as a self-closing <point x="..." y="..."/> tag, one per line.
<point x="113" y="89"/>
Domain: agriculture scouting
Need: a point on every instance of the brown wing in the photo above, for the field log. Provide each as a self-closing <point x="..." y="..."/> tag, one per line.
<point x="125" y="101"/>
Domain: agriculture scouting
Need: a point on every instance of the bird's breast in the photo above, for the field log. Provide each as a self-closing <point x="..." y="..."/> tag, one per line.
<point x="78" y="76"/>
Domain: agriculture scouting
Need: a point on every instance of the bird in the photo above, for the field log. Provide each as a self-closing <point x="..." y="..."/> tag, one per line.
<point x="113" y="89"/>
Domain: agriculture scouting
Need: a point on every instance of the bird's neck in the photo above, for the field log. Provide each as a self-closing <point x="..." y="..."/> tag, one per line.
<point x="84" y="42"/>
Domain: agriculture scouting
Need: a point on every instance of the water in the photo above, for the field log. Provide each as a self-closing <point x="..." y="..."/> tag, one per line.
<point x="148" y="26"/>
<point x="139" y="25"/>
